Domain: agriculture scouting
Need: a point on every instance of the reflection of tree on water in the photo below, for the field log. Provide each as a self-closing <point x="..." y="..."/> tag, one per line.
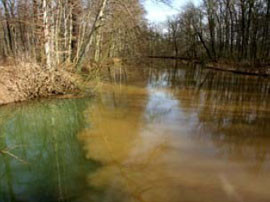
<point x="131" y="168"/>
<point x="232" y="110"/>
<point x="234" y="95"/>
<point x="45" y="134"/>
<point x="237" y="120"/>
<point x="146" y="155"/>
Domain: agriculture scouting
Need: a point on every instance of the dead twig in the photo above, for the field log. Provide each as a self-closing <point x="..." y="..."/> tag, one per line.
<point x="7" y="152"/>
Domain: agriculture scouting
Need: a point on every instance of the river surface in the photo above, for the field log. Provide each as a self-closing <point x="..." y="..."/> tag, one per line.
<point x="164" y="133"/>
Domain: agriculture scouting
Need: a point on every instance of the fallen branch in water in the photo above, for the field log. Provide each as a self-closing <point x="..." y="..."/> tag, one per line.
<point x="7" y="152"/>
<point x="245" y="71"/>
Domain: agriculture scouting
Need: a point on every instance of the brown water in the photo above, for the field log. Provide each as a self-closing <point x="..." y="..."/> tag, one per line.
<point x="170" y="134"/>
<point x="182" y="135"/>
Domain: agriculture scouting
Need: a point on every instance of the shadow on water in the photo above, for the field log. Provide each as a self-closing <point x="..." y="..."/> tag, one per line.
<point x="43" y="136"/>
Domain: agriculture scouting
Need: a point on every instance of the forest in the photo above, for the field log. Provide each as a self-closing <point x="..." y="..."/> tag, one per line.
<point x="234" y="31"/>
<point x="53" y="32"/>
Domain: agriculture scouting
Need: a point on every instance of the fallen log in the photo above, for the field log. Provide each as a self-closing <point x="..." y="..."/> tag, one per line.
<point x="249" y="71"/>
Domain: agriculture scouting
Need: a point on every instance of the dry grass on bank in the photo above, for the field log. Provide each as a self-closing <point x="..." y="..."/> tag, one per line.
<point x="24" y="81"/>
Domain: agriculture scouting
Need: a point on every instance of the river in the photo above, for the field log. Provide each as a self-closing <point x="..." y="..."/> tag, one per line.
<point x="166" y="132"/>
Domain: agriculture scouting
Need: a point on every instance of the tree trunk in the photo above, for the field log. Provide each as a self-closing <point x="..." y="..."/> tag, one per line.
<point x="8" y="27"/>
<point x="89" y="38"/>
<point x="47" y="42"/>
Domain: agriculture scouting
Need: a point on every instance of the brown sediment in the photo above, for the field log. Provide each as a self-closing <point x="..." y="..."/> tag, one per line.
<point x="25" y="81"/>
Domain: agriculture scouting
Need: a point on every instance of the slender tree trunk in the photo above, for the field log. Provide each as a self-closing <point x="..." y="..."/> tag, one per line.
<point x="205" y="46"/>
<point x="97" y="46"/>
<point x="250" y="10"/>
<point x="47" y="43"/>
<point x="8" y="27"/>
<point x="89" y="38"/>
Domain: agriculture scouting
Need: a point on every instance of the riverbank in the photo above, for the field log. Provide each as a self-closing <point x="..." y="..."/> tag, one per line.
<point x="23" y="81"/>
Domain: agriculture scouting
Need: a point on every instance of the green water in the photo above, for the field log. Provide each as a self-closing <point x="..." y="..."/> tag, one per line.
<point x="167" y="134"/>
<point x="50" y="164"/>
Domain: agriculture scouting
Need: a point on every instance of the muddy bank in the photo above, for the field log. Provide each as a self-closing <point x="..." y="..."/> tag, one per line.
<point x="26" y="81"/>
